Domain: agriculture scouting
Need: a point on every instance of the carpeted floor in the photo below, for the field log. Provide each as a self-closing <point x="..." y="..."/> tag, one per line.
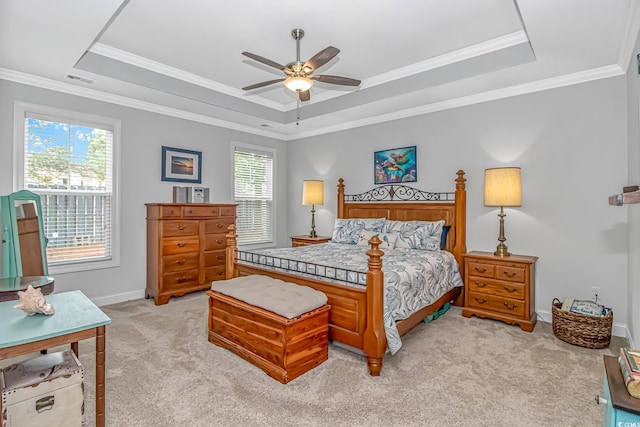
<point x="162" y="371"/>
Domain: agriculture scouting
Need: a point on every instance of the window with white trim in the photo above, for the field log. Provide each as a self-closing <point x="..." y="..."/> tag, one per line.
<point x="253" y="192"/>
<point x="68" y="159"/>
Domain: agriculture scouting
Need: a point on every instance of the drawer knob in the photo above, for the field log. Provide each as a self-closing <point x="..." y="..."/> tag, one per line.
<point x="182" y="279"/>
<point x="510" y="289"/>
<point x="512" y="307"/>
<point x="506" y="273"/>
<point x="190" y="211"/>
<point x="181" y="261"/>
<point x="480" y="270"/>
<point x="219" y="225"/>
<point x="480" y="284"/>
<point x="480" y="300"/>
<point x="171" y="211"/>
<point x="219" y="241"/>
<point x="182" y="245"/>
<point x="219" y="257"/>
<point x="181" y="227"/>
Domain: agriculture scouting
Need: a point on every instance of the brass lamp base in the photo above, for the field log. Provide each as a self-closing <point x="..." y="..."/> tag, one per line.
<point x="313" y="233"/>
<point x="501" y="249"/>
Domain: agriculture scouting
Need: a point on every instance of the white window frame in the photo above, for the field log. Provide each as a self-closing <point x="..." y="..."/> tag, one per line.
<point x="58" y="114"/>
<point x="260" y="150"/>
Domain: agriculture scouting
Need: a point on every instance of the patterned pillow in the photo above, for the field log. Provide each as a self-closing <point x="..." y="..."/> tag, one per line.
<point x="388" y="239"/>
<point x="425" y="235"/>
<point x="348" y="230"/>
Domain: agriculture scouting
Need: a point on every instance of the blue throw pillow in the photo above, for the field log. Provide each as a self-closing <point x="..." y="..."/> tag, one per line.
<point x="443" y="237"/>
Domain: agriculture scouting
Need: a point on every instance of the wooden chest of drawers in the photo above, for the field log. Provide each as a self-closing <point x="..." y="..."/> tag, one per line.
<point x="185" y="247"/>
<point x="500" y="288"/>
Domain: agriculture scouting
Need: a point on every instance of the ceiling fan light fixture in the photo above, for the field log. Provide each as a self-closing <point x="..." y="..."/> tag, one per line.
<point x="298" y="84"/>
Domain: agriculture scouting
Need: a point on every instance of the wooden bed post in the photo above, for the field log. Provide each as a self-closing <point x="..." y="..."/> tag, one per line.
<point x="375" y="338"/>
<point x="460" y="246"/>
<point x="232" y="253"/>
<point x="341" y="198"/>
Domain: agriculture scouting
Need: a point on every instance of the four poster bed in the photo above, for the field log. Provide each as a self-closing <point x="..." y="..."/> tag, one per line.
<point x="357" y="293"/>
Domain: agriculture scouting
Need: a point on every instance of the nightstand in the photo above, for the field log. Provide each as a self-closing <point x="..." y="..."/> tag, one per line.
<point x="306" y="240"/>
<point x="500" y="288"/>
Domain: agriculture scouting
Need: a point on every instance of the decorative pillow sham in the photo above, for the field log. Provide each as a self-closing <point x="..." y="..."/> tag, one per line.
<point x="388" y="239"/>
<point x="424" y="235"/>
<point x="348" y="230"/>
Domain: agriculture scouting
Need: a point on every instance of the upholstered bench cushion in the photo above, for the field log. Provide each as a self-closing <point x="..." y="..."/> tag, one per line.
<point x="286" y="299"/>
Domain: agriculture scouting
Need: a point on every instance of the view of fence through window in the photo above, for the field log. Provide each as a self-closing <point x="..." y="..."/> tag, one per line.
<point x="69" y="166"/>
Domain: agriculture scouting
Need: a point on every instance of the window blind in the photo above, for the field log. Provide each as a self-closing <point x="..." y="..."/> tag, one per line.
<point x="253" y="192"/>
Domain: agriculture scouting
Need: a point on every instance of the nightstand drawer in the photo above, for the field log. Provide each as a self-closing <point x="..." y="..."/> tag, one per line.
<point x="481" y="269"/>
<point x="496" y="303"/>
<point x="513" y="274"/>
<point x="496" y="287"/>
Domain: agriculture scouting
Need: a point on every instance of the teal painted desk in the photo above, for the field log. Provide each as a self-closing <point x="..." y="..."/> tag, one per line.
<point x="76" y="318"/>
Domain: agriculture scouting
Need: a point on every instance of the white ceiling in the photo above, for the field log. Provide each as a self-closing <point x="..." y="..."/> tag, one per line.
<point x="183" y="58"/>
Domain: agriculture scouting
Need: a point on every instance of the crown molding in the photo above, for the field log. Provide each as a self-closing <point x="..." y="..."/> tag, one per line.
<point x="490" y="46"/>
<point x="508" y="92"/>
<point x="176" y="73"/>
<point x="517" y="90"/>
<point x="44" y="83"/>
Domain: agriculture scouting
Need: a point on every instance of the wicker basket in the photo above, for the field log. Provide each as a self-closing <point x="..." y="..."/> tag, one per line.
<point x="581" y="329"/>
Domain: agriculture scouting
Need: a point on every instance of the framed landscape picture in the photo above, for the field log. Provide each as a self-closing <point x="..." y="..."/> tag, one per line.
<point x="180" y="165"/>
<point x="396" y="165"/>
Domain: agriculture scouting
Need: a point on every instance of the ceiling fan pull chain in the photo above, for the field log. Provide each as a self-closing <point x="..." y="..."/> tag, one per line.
<point x="298" y="112"/>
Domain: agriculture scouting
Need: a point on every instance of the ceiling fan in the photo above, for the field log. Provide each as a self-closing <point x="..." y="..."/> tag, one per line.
<point x="299" y="75"/>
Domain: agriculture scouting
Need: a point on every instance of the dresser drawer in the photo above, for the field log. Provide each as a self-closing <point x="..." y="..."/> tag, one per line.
<point x="214" y="242"/>
<point x="180" y="245"/>
<point x="201" y="211"/>
<point x="214" y="258"/>
<point x="214" y="273"/>
<point x="180" y="280"/>
<point x="219" y="226"/>
<point x="496" y="303"/>
<point x="170" y="212"/>
<point x="179" y="262"/>
<point x="496" y="287"/>
<point x="228" y="211"/>
<point x="179" y="228"/>
<point x="481" y="269"/>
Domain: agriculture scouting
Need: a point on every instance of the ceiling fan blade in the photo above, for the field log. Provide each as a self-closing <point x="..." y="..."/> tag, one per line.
<point x="336" y="80"/>
<point x="261" y="84"/>
<point x="304" y="96"/>
<point x="263" y="60"/>
<point x="322" y="57"/>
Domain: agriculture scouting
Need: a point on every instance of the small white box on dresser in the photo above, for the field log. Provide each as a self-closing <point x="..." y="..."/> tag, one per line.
<point x="47" y="391"/>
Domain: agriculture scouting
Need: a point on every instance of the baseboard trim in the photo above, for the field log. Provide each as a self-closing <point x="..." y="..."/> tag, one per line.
<point x="116" y="298"/>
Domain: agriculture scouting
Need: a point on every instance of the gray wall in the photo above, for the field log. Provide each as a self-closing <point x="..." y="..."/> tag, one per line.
<point x="571" y="143"/>
<point x="143" y="134"/>
<point x="633" y="159"/>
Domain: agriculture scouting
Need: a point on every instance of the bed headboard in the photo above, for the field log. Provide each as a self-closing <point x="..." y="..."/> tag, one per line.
<point x="404" y="203"/>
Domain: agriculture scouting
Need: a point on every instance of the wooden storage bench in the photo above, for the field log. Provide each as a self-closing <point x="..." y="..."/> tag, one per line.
<point x="280" y="327"/>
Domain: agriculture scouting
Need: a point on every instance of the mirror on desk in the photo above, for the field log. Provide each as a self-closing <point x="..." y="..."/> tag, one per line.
<point x="23" y="241"/>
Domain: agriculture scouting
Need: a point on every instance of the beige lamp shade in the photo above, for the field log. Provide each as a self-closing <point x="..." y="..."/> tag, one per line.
<point x="502" y="187"/>
<point x="313" y="192"/>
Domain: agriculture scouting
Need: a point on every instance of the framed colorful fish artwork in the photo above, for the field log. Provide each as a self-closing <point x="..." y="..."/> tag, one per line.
<point x="396" y="165"/>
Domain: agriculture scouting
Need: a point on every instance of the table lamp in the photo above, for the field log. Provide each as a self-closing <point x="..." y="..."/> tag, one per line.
<point x="502" y="188"/>
<point x="313" y="194"/>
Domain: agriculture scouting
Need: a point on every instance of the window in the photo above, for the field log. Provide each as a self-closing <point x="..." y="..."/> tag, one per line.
<point x="68" y="158"/>
<point x="253" y="192"/>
